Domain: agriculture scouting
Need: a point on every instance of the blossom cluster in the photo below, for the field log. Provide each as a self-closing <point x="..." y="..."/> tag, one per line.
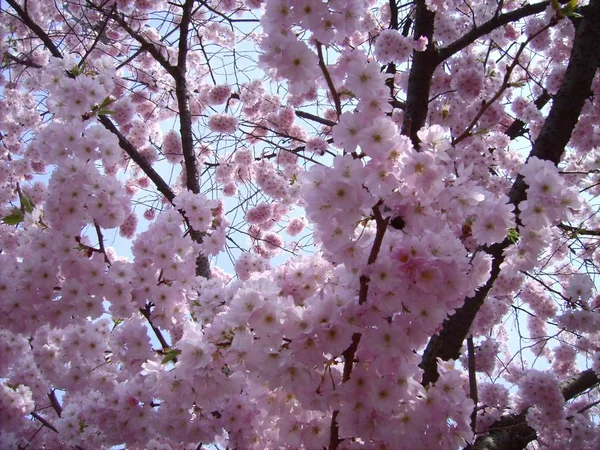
<point x="400" y="223"/>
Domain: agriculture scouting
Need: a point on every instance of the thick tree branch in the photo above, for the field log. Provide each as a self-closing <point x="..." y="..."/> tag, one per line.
<point x="179" y="73"/>
<point x="183" y="102"/>
<point x="315" y="118"/>
<point x="425" y="63"/>
<point x="448" y="342"/>
<point x="55" y="403"/>
<point x="505" y="84"/>
<point x="43" y="36"/>
<point x="577" y="384"/>
<point x="44" y="422"/>
<point x="512" y="432"/>
<point x="518" y="127"/>
<point x="491" y="25"/>
<point x="550" y="146"/>
<point x="472" y="381"/>
<point x="350" y="352"/>
<point x="185" y="124"/>
<point x="133" y="153"/>
<point x="421" y="74"/>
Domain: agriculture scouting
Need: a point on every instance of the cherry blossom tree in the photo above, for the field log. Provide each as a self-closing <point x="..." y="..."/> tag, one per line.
<point x="405" y="194"/>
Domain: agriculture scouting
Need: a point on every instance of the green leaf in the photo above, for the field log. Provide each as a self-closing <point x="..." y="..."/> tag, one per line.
<point x="569" y="9"/>
<point x="348" y="93"/>
<point x="445" y="110"/>
<point x="170" y="355"/>
<point x="75" y="71"/>
<point x="14" y="218"/>
<point x="555" y="5"/>
<point x="26" y="201"/>
<point x="107" y="101"/>
<point x="513" y="235"/>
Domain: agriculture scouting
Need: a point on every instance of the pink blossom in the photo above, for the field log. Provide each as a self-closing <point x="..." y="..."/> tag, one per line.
<point x="219" y="94"/>
<point x="223" y="123"/>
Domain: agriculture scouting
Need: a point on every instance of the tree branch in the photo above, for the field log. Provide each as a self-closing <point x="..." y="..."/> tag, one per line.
<point x="472" y="381"/>
<point x="350" y="352"/>
<point x="146" y="313"/>
<point x="512" y="432"/>
<point x="309" y="116"/>
<point x="421" y="74"/>
<point x="518" y="127"/>
<point x="44" y="422"/>
<point x="183" y="103"/>
<point x="23" y="62"/>
<point x="334" y="94"/>
<point x="145" y="44"/>
<point x="99" y="36"/>
<point x="505" y="84"/>
<point x="550" y="146"/>
<point x="133" y="153"/>
<point x="491" y="25"/>
<point x="576" y="230"/>
<point x="55" y="403"/>
<point x="43" y="36"/>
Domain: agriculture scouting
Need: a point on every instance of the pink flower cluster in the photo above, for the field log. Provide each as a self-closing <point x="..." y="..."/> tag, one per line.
<point x="391" y="46"/>
<point x="223" y="123"/>
<point x="549" y="198"/>
<point x="295" y="226"/>
<point x="324" y="347"/>
<point x="197" y="209"/>
<point x="541" y="389"/>
<point x="172" y="147"/>
<point x="219" y="94"/>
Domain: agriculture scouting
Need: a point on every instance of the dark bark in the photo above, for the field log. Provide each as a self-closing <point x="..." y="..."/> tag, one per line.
<point x="178" y="72"/>
<point x="491" y="25"/>
<point x="185" y="126"/>
<point x="183" y="103"/>
<point x="512" y="432"/>
<point x="421" y="74"/>
<point x="550" y="146"/>
<point x="518" y="127"/>
<point x="133" y="153"/>
<point x="425" y="63"/>
<point x="36" y="29"/>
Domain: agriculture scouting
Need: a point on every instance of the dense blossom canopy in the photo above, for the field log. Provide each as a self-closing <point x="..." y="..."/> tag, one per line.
<point x="299" y="224"/>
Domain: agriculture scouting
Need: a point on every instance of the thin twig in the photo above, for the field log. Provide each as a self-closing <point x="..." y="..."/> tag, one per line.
<point x="55" y="403"/>
<point x="101" y="242"/>
<point x="334" y="94"/>
<point x="44" y="422"/>
<point x="146" y="313"/>
<point x="472" y="382"/>
<point x="505" y="84"/>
